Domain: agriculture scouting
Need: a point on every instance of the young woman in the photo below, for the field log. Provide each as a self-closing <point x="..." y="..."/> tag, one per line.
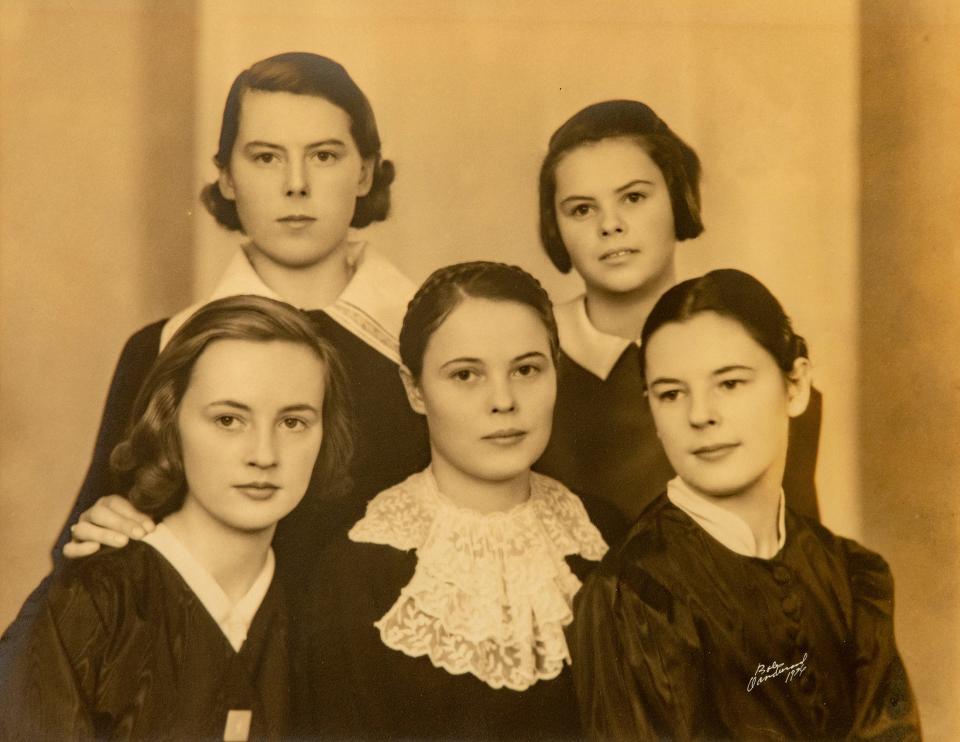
<point x="725" y="614"/>
<point x="618" y="190"/>
<point x="442" y="614"/>
<point x="184" y="635"/>
<point x="300" y="163"/>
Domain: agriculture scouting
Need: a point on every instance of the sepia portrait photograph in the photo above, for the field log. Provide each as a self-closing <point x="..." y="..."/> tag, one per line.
<point x="479" y="370"/>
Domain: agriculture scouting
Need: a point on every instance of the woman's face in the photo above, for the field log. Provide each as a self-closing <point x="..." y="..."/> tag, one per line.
<point x="722" y="405"/>
<point x="487" y="388"/>
<point x="250" y="424"/>
<point x="615" y="217"/>
<point x="295" y="174"/>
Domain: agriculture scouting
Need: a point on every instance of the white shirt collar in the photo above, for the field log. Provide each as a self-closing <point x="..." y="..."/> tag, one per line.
<point x="726" y="527"/>
<point x="234" y="619"/>
<point x="371" y="306"/>
<point x="596" y="351"/>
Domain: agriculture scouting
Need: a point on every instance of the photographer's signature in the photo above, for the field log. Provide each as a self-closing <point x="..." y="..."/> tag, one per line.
<point x="775" y="670"/>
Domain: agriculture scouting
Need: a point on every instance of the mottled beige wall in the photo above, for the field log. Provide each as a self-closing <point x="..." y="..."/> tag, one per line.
<point x="910" y="342"/>
<point x="96" y="144"/>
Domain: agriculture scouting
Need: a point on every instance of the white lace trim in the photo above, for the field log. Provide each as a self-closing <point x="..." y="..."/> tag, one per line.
<point x="491" y="593"/>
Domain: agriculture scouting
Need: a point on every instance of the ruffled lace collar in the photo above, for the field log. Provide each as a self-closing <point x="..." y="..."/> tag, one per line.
<point x="491" y="593"/>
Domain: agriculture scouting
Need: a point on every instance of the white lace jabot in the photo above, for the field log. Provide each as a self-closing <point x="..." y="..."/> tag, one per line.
<point x="491" y="593"/>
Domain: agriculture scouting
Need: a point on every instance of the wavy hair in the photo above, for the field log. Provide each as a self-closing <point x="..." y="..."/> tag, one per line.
<point x="152" y="453"/>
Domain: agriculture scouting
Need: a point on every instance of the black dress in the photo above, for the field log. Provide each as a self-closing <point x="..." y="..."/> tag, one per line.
<point x="351" y="685"/>
<point x="121" y="648"/>
<point x="678" y="637"/>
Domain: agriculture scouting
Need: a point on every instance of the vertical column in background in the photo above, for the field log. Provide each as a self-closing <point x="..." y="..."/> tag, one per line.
<point x="910" y="317"/>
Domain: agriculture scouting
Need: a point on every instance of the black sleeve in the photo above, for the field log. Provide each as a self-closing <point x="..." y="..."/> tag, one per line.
<point x="798" y="478"/>
<point x="135" y="361"/>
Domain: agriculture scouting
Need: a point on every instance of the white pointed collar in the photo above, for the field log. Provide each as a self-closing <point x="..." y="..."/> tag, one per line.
<point x="595" y="351"/>
<point x="371" y="305"/>
<point x="726" y="527"/>
<point x="234" y="619"/>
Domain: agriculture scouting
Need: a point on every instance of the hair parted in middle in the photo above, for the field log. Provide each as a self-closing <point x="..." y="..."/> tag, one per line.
<point x="303" y="73"/>
<point x="635" y="120"/>
<point x="152" y="453"/>
<point x="739" y="296"/>
<point x="447" y="287"/>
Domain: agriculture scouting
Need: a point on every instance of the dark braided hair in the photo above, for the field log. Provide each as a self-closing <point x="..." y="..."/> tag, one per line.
<point x="304" y="73"/>
<point x="446" y="287"/>
<point x="622" y="118"/>
<point x="739" y="296"/>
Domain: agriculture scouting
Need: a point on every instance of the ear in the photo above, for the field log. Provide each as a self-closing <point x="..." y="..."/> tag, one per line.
<point x="414" y="394"/>
<point x="226" y="185"/>
<point x="798" y="387"/>
<point x="367" y="169"/>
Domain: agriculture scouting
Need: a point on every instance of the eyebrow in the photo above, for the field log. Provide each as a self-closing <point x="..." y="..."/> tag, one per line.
<point x="727" y="369"/>
<point x="270" y="145"/>
<point x="300" y="407"/>
<point x="621" y="189"/>
<point x="718" y="372"/>
<point x="521" y="357"/>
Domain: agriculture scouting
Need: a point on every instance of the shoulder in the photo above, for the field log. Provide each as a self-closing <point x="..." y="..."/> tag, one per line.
<point x="143" y="345"/>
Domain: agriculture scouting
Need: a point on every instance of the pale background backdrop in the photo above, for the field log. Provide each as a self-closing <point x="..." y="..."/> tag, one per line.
<point x="828" y="135"/>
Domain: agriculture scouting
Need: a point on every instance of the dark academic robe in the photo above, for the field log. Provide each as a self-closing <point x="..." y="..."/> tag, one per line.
<point x="604" y="443"/>
<point x="678" y="637"/>
<point x="390" y="442"/>
<point x="121" y="648"/>
<point x="351" y="686"/>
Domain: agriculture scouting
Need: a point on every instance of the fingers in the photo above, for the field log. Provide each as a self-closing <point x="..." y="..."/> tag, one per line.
<point x="84" y="531"/>
<point x="77" y="549"/>
<point x="116" y="513"/>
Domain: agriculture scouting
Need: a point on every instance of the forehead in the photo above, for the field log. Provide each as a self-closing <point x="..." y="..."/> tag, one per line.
<point x="282" y="117"/>
<point x="610" y="162"/>
<point x="700" y="346"/>
<point x="486" y="328"/>
<point x="247" y="370"/>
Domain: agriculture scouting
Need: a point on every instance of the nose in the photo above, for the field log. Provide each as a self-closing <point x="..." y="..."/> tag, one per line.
<point x="611" y="223"/>
<point x="263" y="452"/>
<point x="297" y="180"/>
<point x="502" y="398"/>
<point x="702" y="411"/>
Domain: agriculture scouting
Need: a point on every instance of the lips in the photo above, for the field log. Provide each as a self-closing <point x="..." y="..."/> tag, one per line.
<point x="715" y="451"/>
<point x="297" y="221"/>
<point x="619" y="253"/>
<point x="506" y="437"/>
<point x="257" y="490"/>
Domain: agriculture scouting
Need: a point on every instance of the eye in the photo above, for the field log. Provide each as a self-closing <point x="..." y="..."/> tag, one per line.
<point x="294" y="423"/>
<point x="668" y="395"/>
<point x="266" y="158"/>
<point x="325" y="156"/>
<point x="227" y="421"/>
<point x="635" y="196"/>
<point x="464" y="374"/>
<point x="581" y="210"/>
<point x="731" y="384"/>
<point x="527" y="369"/>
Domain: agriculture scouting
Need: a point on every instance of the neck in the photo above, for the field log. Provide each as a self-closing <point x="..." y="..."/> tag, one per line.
<point x="233" y="558"/>
<point x="758" y="505"/>
<point x="313" y="286"/>
<point x="623" y="314"/>
<point x="480" y="495"/>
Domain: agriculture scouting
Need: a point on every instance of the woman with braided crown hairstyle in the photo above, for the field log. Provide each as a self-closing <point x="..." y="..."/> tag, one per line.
<point x="442" y="614"/>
